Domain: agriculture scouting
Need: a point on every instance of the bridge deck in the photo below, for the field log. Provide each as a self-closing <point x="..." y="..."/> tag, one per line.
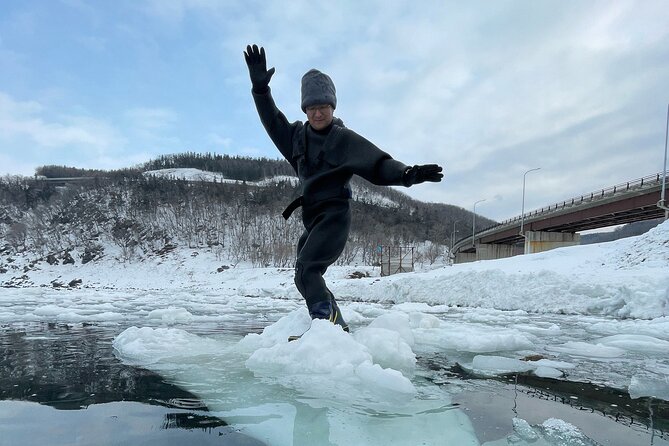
<point x="624" y="203"/>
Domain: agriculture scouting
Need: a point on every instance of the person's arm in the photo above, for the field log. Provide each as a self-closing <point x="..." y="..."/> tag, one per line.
<point x="378" y="167"/>
<point x="277" y="126"/>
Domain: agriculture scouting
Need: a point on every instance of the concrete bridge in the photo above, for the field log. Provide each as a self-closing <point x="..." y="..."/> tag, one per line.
<point x="557" y="225"/>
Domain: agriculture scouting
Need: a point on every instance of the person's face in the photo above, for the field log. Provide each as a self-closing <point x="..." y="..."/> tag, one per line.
<point x="320" y="116"/>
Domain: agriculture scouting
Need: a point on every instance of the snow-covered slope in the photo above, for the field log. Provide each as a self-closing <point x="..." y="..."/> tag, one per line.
<point x="190" y="174"/>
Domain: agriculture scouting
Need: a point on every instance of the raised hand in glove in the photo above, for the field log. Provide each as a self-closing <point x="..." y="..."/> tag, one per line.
<point x="257" y="63"/>
<point x="419" y="174"/>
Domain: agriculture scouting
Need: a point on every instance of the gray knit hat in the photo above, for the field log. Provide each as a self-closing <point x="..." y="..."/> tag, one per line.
<point x="317" y="88"/>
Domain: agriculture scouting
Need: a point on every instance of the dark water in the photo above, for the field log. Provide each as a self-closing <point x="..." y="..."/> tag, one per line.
<point x="62" y="385"/>
<point x="608" y="416"/>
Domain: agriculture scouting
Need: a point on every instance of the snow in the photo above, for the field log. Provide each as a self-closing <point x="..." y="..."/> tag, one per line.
<point x="191" y="174"/>
<point x="597" y="313"/>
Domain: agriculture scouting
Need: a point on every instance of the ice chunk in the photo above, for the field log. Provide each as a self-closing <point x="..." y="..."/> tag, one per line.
<point x="550" y="330"/>
<point x="142" y="346"/>
<point x="409" y="307"/>
<point x="475" y="339"/>
<point x="385" y="379"/>
<point x="398" y="322"/>
<point x="51" y="310"/>
<point x="548" y="372"/>
<point x="523" y="429"/>
<point x="588" y="350"/>
<point x="388" y="348"/>
<point x="497" y="365"/>
<point x="637" y="343"/>
<point x="643" y="386"/>
<point x="171" y="315"/>
<point x="327" y="362"/>
<point x="422" y="320"/>
<point x="559" y="432"/>
<point x="560" y="365"/>
<point x="294" y="323"/>
<point x="552" y="432"/>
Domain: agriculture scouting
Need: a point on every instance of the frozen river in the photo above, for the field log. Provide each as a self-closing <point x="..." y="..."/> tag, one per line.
<point x="121" y="366"/>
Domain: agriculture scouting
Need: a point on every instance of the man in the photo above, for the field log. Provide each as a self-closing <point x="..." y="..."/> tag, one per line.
<point x="325" y="155"/>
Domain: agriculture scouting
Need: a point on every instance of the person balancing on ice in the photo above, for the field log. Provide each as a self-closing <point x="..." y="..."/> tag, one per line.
<point x="325" y="154"/>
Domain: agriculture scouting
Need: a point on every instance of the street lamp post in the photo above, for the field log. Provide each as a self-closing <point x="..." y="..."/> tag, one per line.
<point x="452" y="254"/>
<point x="474" y="222"/>
<point x="522" y="211"/>
<point x="663" y="203"/>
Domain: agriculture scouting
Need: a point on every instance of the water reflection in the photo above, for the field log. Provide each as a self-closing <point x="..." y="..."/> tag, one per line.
<point x="601" y="412"/>
<point x="73" y="367"/>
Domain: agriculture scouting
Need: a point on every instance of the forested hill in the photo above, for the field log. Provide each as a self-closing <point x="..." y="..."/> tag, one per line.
<point x="236" y="212"/>
<point x="232" y="167"/>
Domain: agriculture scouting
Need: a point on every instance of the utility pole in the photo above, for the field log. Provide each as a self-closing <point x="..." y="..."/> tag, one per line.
<point x="451" y="253"/>
<point x="474" y="222"/>
<point x="662" y="204"/>
<point x="522" y="211"/>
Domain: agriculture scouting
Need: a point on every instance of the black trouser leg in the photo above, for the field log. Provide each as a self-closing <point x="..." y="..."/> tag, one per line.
<point x="326" y="231"/>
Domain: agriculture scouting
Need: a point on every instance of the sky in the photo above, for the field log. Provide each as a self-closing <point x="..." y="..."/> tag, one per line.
<point x="488" y="90"/>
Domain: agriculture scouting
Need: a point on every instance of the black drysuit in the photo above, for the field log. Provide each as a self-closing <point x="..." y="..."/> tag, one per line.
<point x="324" y="161"/>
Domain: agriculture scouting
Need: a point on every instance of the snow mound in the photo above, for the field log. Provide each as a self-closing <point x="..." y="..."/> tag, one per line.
<point x="649" y="249"/>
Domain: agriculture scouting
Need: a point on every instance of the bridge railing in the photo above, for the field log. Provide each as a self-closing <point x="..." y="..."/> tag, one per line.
<point x="639" y="183"/>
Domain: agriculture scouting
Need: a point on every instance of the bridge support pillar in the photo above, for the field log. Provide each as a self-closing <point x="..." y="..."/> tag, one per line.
<point x="488" y="251"/>
<point x="539" y="241"/>
<point x="491" y="251"/>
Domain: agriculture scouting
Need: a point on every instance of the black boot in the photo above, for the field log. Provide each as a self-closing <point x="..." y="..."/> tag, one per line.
<point x="328" y="309"/>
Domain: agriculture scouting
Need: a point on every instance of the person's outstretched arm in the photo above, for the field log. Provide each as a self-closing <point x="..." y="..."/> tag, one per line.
<point x="378" y="167"/>
<point x="277" y="126"/>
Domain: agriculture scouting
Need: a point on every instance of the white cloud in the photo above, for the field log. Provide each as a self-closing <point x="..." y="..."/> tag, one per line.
<point x="32" y="134"/>
<point x="31" y="120"/>
<point x="219" y="140"/>
<point x="152" y="118"/>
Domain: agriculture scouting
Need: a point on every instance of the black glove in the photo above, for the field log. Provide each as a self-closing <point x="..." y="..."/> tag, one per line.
<point x="257" y="63"/>
<point x="419" y="174"/>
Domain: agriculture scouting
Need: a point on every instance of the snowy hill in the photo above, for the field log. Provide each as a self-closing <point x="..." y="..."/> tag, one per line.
<point x="147" y="213"/>
<point x="191" y="174"/>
